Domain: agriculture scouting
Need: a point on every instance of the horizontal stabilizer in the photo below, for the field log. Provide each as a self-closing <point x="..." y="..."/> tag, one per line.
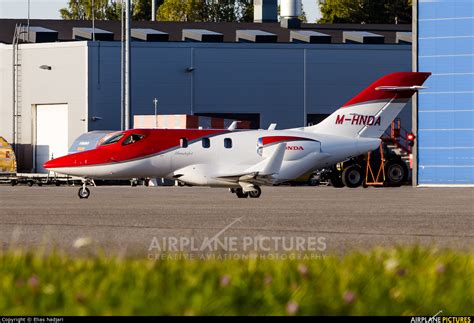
<point x="399" y="88"/>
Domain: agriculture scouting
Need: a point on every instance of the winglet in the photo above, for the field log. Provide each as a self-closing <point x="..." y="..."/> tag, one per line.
<point x="272" y="126"/>
<point x="233" y="125"/>
<point x="270" y="165"/>
<point x="273" y="163"/>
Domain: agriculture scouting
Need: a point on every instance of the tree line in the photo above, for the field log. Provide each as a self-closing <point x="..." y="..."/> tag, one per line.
<point x="332" y="11"/>
<point x="168" y="10"/>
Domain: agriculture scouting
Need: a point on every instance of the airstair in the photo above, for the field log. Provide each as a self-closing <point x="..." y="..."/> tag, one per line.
<point x="396" y="140"/>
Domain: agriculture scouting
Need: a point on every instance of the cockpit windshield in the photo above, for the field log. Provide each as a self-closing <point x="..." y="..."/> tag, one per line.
<point x="133" y="138"/>
<point x="113" y="139"/>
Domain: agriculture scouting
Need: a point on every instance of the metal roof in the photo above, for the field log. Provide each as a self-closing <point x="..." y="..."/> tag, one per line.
<point x="81" y="33"/>
<point x="404" y="37"/>
<point x="41" y="35"/>
<point x="148" y="34"/>
<point x="227" y="29"/>
<point x="362" y="37"/>
<point x="255" y="36"/>
<point x="202" y="35"/>
<point x="309" y="36"/>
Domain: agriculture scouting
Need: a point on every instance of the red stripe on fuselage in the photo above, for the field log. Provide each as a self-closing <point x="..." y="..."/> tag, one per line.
<point x="155" y="141"/>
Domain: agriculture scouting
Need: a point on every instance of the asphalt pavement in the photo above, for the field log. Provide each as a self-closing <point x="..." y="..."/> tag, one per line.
<point x="141" y="220"/>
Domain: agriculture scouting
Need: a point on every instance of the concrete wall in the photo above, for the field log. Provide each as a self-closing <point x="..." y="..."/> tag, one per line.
<point x="6" y="107"/>
<point x="240" y="78"/>
<point x="65" y="83"/>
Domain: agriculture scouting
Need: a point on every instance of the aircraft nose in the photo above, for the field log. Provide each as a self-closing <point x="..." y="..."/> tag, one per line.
<point x="64" y="161"/>
<point x="49" y="164"/>
<point x="56" y="162"/>
<point x="84" y="158"/>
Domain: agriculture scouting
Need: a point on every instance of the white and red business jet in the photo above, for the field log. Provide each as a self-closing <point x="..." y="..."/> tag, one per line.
<point x="244" y="160"/>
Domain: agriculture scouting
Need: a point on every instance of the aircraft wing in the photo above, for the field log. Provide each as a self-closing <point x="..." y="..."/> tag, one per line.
<point x="262" y="172"/>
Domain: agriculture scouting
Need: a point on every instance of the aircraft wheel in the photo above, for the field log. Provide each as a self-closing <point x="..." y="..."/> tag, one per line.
<point x="84" y="193"/>
<point x="241" y="194"/>
<point x="336" y="181"/>
<point x="255" y="194"/>
<point x="313" y="180"/>
<point x="396" y="173"/>
<point x="352" y="176"/>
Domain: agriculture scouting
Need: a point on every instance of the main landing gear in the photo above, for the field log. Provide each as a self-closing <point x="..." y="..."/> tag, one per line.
<point x="241" y="194"/>
<point x="84" y="192"/>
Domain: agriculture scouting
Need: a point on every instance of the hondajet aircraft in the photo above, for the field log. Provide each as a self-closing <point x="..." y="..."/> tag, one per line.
<point x="245" y="160"/>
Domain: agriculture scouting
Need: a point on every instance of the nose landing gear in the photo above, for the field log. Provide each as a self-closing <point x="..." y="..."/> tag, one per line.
<point x="84" y="192"/>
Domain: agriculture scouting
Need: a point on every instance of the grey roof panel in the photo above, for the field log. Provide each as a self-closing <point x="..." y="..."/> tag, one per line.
<point x="255" y="36"/>
<point x="147" y="34"/>
<point x="309" y="36"/>
<point x="362" y="37"/>
<point x="41" y="35"/>
<point x="202" y="35"/>
<point x="82" y="33"/>
<point x="404" y="37"/>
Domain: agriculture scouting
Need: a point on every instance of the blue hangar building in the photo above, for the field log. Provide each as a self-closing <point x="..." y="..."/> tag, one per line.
<point x="444" y="112"/>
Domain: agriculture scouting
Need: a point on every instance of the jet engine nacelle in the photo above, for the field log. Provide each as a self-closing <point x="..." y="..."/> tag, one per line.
<point x="299" y="149"/>
<point x="295" y="149"/>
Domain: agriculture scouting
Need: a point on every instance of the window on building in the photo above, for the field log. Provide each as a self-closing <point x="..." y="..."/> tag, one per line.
<point x="206" y="143"/>
<point x="228" y="143"/>
<point x="183" y="142"/>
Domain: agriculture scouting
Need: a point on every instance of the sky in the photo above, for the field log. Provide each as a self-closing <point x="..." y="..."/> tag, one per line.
<point x="49" y="9"/>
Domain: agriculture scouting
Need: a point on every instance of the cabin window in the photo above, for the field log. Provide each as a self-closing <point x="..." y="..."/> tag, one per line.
<point x="228" y="143"/>
<point x="206" y="143"/>
<point x="183" y="142"/>
<point x="133" y="138"/>
<point x="113" y="139"/>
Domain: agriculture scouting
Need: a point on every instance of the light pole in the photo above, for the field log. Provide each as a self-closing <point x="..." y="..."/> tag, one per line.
<point x="28" y="24"/>
<point x="153" y="10"/>
<point x="93" y="20"/>
<point x="155" y="103"/>
<point x="127" y="65"/>
<point x="122" y="67"/>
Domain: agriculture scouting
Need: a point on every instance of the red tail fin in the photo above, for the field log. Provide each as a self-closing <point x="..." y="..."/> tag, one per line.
<point x="370" y="112"/>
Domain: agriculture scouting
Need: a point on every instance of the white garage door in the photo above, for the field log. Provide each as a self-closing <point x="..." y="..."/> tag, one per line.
<point x="51" y="133"/>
